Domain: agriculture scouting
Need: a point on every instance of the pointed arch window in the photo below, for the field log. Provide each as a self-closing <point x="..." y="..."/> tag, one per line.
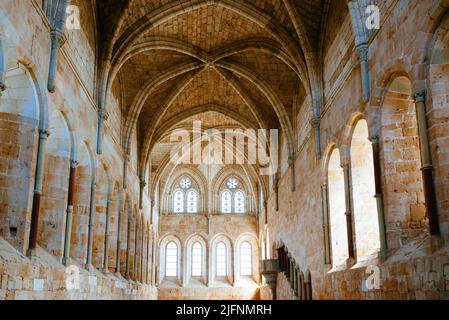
<point x="246" y="264"/>
<point x="171" y="260"/>
<point x="185" y="197"/>
<point x="226" y="202"/>
<point x="239" y="202"/>
<point x="178" y="201"/>
<point x="221" y="260"/>
<point x="192" y="202"/>
<point x="197" y="260"/>
<point x="233" y="198"/>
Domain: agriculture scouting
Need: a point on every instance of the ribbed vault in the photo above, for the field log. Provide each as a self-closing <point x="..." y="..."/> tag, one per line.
<point x="243" y="62"/>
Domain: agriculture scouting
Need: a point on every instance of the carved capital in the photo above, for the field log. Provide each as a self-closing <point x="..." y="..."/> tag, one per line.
<point x="363" y="52"/>
<point x="74" y="163"/>
<point x="374" y="139"/>
<point x="420" y="95"/>
<point x="59" y="36"/>
<point x="103" y="115"/>
<point x="44" y="134"/>
<point x="143" y="184"/>
<point x="315" y="122"/>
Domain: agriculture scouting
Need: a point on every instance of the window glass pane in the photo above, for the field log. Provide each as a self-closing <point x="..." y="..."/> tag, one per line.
<point x="178" y="202"/>
<point x="171" y="260"/>
<point x="239" y="202"/>
<point x="221" y="260"/>
<point x="192" y="202"/>
<point x="226" y="202"/>
<point x="197" y="259"/>
<point x="245" y="259"/>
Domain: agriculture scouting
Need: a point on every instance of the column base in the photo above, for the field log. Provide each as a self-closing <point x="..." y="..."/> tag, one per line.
<point x="31" y="253"/>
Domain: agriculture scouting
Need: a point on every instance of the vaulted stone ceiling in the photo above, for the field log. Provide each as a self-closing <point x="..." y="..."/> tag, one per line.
<point x="237" y="61"/>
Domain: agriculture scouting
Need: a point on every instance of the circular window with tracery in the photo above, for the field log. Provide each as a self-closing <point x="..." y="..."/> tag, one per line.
<point x="185" y="183"/>
<point x="232" y="183"/>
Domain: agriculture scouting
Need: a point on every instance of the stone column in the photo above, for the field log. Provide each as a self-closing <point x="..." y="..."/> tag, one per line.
<point x="378" y="187"/>
<point x="153" y="273"/>
<point x="426" y="161"/>
<point x="315" y="122"/>
<point x="107" y="235"/>
<point x="152" y="203"/>
<point x="39" y="176"/>
<point x="363" y="52"/>
<point x="102" y="117"/>
<point x="295" y="279"/>
<point x="57" y="40"/>
<point x="128" y="253"/>
<point x="68" y="224"/>
<point x="148" y="266"/>
<point x="90" y="235"/>
<point x="136" y="246"/>
<point x="326" y="230"/>
<point x="55" y="12"/>
<point x="291" y="163"/>
<point x="125" y="171"/>
<point x="348" y="213"/>
<point x="119" y="243"/>
<point x="143" y="184"/>
<point x="142" y="250"/>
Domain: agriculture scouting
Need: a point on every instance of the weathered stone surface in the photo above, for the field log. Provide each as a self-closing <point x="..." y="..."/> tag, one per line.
<point x="229" y="65"/>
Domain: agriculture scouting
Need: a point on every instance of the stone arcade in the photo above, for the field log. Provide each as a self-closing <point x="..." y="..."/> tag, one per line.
<point x="92" y="205"/>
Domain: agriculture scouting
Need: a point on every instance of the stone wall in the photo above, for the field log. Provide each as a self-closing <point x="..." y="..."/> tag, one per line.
<point x="284" y="290"/>
<point x="209" y="293"/>
<point x="70" y="116"/>
<point x="406" y="55"/>
<point x="186" y="229"/>
<point x="398" y="51"/>
<point x="44" y="278"/>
